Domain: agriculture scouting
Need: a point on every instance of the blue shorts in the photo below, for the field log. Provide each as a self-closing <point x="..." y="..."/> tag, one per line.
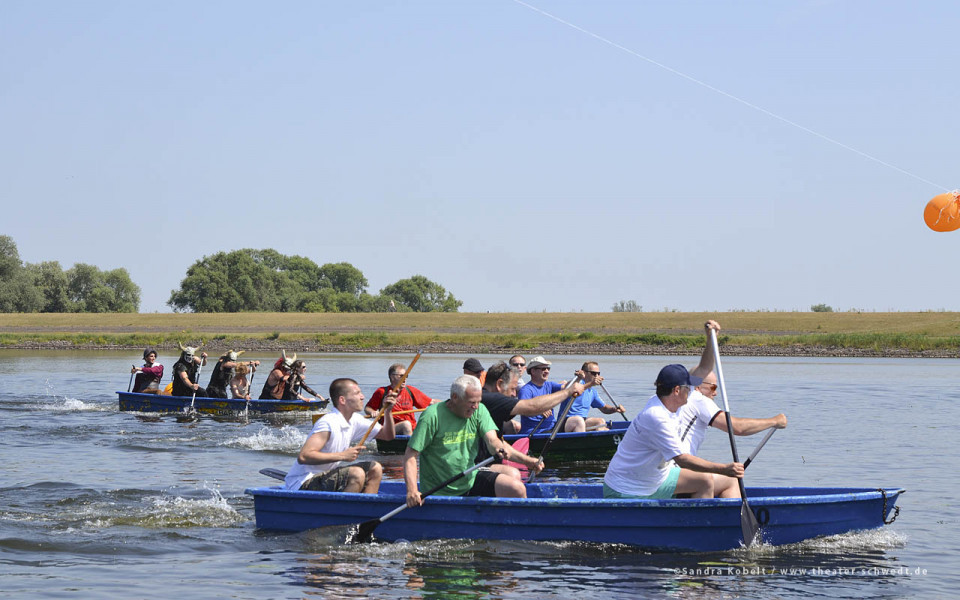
<point x="666" y="489"/>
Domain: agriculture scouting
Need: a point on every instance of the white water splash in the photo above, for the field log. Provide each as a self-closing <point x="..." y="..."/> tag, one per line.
<point x="287" y="439"/>
<point x="874" y="539"/>
<point x="61" y="402"/>
<point x="129" y="508"/>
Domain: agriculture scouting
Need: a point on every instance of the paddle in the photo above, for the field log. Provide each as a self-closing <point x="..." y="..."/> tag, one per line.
<point x="367" y="527"/>
<point x="756" y="450"/>
<point x="132" y="373"/>
<point x="748" y="521"/>
<point x="396" y="389"/>
<point x="275" y="473"/>
<point x="317" y="417"/>
<point x="199" y="368"/>
<point x="411" y="411"/>
<point x="615" y="403"/>
<point x="523" y="444"/>
<point x="556" y="427"/>
<point x="246" y="408"/>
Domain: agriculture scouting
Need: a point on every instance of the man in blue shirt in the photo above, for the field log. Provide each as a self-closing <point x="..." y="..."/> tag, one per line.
<point x="577" y="419"/>
<point x="539" y="371"/>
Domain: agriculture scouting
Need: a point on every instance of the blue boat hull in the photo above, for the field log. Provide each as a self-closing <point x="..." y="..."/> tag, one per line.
<point x="566" y="447"/>
<point x="579" y="512"/>
<point x="217" y="406"/>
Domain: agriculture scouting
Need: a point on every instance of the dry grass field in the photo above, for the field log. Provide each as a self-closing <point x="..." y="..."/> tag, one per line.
<point x="796" y="333"/>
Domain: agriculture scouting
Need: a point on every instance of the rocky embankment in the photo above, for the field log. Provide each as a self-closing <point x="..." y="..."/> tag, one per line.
<point x="270" y="346"/>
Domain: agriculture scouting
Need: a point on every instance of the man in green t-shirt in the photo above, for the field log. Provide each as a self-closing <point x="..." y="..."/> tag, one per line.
<point x="446" y="440"/>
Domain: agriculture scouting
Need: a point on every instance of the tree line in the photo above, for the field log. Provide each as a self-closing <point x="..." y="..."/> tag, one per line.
<point x="240" y="280"/>
<point x="46" y="287"/>
<point x="265" y="280"/>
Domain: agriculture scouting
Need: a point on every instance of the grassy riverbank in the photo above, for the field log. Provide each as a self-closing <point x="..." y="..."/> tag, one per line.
<point x="745" y="333"/>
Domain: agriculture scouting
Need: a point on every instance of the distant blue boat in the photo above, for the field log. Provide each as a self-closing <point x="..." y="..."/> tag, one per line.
<point x="566" y="447"/>
<point x="578" y="512"/>
<point x="217" y="406"/>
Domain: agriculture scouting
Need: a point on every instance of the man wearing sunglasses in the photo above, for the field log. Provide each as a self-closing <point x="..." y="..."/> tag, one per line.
<point x="651" y="462"/>
<point x="519" y="362"/>
<point x="539" y="370"/>
<point x="577" y="418"/>
<point x="701" y="411"/>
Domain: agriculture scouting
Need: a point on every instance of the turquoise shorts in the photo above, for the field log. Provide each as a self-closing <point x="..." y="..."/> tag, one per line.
<point x="666" y="489"/>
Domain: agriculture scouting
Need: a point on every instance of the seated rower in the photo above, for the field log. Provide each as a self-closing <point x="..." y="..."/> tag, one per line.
<point x="295" y="384"/>
<point x="239" y="384"/>
<point x="577" y="419"/>
<point x="223" y="373"/>
<point x="446" y="441"/>
<point x="319" y="465"/>
<point x="500" y="397"/>
<point x="275" y="385"/>
<point x="185" y="372"/>
<point x="149" y="375"/>
<point x="701" y="411"/>
<point x="408" y="398"/>
<point x="651" y="461"/>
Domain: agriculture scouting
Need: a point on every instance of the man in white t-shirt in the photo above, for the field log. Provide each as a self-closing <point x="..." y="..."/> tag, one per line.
<point x="331" y="443"/>
<point x="701" y="411"/>
<point x="650" y="462"/>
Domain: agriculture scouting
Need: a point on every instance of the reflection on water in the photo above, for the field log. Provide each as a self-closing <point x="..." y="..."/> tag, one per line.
<point x="472" y="569"/>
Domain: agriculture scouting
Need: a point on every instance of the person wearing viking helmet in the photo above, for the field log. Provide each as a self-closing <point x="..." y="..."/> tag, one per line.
<point x="223" y="372"/>
<point x="185" y="372"/>
<point x="276" y="383"/>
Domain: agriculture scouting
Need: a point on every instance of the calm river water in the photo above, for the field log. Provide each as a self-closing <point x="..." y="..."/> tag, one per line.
<point x="97" y="503"/>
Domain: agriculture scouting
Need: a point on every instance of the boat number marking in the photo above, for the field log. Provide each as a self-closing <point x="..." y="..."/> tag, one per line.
<point x="616" y="439"/>
<point x="763" y="515"/>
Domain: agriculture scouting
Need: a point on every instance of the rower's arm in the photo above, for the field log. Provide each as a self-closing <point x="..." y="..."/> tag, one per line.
<point x="695" y="463"/>
<point x="707" y="359"/>
<point x="531" y="407"/>
<point x="410" y="477"/>
<point x="744" y="426"/>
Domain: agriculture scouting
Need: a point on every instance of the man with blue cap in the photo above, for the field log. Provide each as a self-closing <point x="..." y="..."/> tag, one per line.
<point x="650" y="461"/>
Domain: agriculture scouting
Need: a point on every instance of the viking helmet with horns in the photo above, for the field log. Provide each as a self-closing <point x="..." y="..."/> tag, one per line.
<point x="234" y="355"/>
<point x="287" y="361"/>
<point x="187" y="352"/>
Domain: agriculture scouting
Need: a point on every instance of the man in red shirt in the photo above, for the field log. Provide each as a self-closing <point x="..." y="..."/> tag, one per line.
<point x="409" y="398"/>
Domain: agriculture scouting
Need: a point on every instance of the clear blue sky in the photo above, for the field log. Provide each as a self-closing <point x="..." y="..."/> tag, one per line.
<point x="522" y="163"/>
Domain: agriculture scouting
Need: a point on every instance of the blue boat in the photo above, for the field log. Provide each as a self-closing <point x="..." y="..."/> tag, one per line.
<point x="215" y="406"/>
<point x="566" y="447"/>
<point x="578" y="512"/>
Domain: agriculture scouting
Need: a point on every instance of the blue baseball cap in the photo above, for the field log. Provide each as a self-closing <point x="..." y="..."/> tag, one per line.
<point x="674" y="375"/>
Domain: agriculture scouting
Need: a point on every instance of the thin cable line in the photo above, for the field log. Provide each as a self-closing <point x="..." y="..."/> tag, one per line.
<point x="730" y="96"/>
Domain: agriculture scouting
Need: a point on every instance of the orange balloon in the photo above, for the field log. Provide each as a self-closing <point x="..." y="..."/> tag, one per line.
<point x="943" y="212"/>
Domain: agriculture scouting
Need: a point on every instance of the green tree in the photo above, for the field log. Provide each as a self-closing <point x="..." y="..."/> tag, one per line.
<point x="419" y="294"/>
<point x="627" y="306"/>
<point x="10" y="263"/>
<point x="345" y="277"/>
<point x="50" y="279"/>
<point x="91" y="290"/>
<point x="17" y="290"/>
<point x="821" y="308"/>
<point x="256" y="280"/>
<point x="126" y="294"/>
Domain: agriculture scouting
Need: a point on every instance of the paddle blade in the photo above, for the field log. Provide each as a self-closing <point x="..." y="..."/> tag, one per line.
<point x="365" y="531"/>
<point x="275" y="473"/>
<point x="330" y="535"/>
<point x="522" y="445"/>
<point x="750" y="526"/>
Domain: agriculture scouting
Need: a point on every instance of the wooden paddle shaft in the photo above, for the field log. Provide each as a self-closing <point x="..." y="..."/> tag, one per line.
<point x="395" y="389"/>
